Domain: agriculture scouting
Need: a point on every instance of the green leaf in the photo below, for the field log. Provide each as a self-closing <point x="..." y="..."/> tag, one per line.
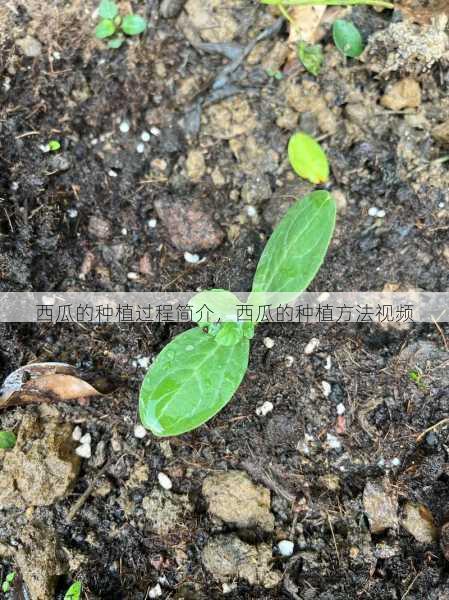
<point x="5" y="587"/>
<point x="115" y="43"/>
<point x="296" y="250"/>
<point x="347" y="38"/>
<point x="108" y="9"/>
<point x="104" y="29"/>
<point x="311" y="56"/>
<point x="10" y="577"/>
<point x="214" y="305"/>
<point x="133" y="24"/>
<point x="191" y="380"/>
<point x="74" y="591"/>
<point x="7" y="440"/>
<point x="307" y="158"/>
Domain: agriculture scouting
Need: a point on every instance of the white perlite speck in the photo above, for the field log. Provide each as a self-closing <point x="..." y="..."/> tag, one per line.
<point x="312" y="346"/>
<point x="327" y="388"/>
<point x="341" y="409"/>
<point x="140" y="148"/>
<point x="140" y="432"/>
<point x="84" y="451"/>
<point x="124" y="126"/>
<point x="268" y="342"/>
<point x="145" y="137"/>
<point x="152" y="223"/>
<point x="251" y="211"/>
<point x="333" y="442"/>
<point x="77" y="433"/>
<point x="286" y="548"/>
<point x="155" y="592"/>
<point x="86" y="439"/>
<point x="191" y="258"/>
<point x="164" y="481"/>
<point x="262" y="411"/>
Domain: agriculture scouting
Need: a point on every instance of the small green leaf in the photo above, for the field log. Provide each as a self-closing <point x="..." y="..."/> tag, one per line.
<point x="10" y="577"/>
<point x="311" y="56"/>
<point x="133" y="24"/>
<point x="74" y="591"/>
<point x="54" y="145"/>
<point x="296" y="250"/>
<point x="191" y="380"/>
<point x="5" y="587"/>
<point x="115" y="43"/>
<point x="307" y="158"/>
<point x="104" y="29"/>
<point x="108" y="9"/>
<point x="347" y="38"/>
<point x="7" y="440"/>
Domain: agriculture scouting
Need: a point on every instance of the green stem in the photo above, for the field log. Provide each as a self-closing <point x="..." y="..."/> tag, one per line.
<point x="380" y="3"/>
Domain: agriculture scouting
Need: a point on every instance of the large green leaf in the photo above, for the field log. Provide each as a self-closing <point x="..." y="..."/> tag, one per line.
<point x="191" y="380"/>
<point x="296" y="250"/>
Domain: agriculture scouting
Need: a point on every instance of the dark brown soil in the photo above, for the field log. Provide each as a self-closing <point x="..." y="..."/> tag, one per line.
<point x="79" y="96"/>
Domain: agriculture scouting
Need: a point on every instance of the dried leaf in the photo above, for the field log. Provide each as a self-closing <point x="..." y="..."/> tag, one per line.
<point x="44" y="382"/>
<point x="422" y="12"/>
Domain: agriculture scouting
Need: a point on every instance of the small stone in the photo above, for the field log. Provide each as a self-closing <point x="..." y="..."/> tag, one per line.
<point x="30" y="46"/>
<point x="99" y="228"/>
<point x="164" y="481"/>
<point x="140" y="432"/>
<point x="289" y="360"/>
<point x="124" y="126"/>
<point x="189" y="226"/>
<point x="373" y="211"/>
<point x="381" y="214"/>
<point x="340" y="200"/>
<point x="256" y="189"/>
<point x="286" y="548"/>
<point x="251" y="212"/>
<point x="140" y="148"/>
<point x="403" y="94"/>
<point x="312" y="346"/>
<point x="84" y="451"/>
<point x="152" y="223"/>
<point x="419" y="522"/>
<point x="218" y="177"/>
<point x="381" y="506"/>
<point x="441" y="132"/>
<point x="195" y="165"/>
<point x="145" y="136"/>
<point x="235" y="499"/>
<point x="86" y="439"/>
<point x="155" y="131"/>
<point x="268" y="342"/>
<point x="171" y="8"/>
<point x="72" y="213"/>
<point x="226" y="557"/>
<point x="112" y="173"/>
<point x="265" y="409"/>
<point x="132" y="276"/>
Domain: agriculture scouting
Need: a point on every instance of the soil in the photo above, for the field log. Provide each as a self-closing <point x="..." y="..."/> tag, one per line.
<point x="93" y="217"/>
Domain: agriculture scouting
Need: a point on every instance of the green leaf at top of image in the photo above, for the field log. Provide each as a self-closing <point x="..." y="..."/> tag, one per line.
<point x="7" y="440"/>
<point x="133" y="24"/>
<point x="311" y="56"/>
<point x="104" y="29"/>
<point x="108" y="9"/>
<point x="347" y="38"/>
<point x="191" y="380"/>
<point x="296" y="250"/>
<point x="74" y="591"/>
<point x="307" y="158"/>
